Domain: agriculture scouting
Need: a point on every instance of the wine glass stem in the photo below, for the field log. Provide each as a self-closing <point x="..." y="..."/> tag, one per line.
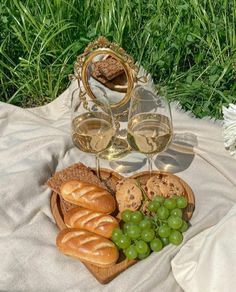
<point x="149" y="159"/>
<point x="98" y="166"/>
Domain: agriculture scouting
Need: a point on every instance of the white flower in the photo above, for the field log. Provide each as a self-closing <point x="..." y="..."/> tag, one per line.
<point x="230" y="128"/>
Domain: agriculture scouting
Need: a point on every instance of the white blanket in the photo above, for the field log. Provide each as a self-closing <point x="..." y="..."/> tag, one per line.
<point x="207" y="261"/>
<point x="34" y="143"/>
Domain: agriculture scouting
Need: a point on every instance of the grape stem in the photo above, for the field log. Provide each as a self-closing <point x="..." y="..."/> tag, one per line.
<point x="135" y="241"/>
<point x="158" y="222"/>
<point x="143" y="192"/>
<point x="163" y="221"/>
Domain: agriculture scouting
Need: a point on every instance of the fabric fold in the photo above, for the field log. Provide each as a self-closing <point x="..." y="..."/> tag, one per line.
<point x="207" y="261"/>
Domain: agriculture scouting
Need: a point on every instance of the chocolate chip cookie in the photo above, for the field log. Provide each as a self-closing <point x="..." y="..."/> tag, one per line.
<point x="128" y="195"/>
<point x="164" y="185"/>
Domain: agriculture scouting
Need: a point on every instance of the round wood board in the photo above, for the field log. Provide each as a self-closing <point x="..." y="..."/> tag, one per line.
<point x="188" y="212"/>
<point x="59" y="207"/>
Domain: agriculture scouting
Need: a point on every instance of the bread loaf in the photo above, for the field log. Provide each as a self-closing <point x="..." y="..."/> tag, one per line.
<point x="77" y="171"/>
<point x="110" y="68"/>
<point x="88" y="247"/>
<point x="88" y="196"/>
<point x="96" y="222"/>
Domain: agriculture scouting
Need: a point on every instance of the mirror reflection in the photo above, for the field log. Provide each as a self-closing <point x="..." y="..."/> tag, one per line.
<point x="108" y="73"/>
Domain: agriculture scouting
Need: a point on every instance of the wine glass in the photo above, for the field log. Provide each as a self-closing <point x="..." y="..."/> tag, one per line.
<point x="92" y="123"/>
<point x="149" y="123"/>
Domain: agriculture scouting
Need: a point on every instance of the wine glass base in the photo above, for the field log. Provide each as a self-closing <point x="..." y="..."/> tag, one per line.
<point x="119" y="148"/>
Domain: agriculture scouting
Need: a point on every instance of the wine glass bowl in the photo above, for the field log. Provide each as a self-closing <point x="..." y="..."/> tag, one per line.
<point x="149" y="123"/>
<point x="92" y="123"/>
<point x="91" y="132"/>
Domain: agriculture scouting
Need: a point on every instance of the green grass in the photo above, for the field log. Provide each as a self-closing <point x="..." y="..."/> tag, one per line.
<point x="188" y="46"/>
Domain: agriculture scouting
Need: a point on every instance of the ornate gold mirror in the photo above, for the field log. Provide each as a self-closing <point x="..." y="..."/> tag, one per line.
<point x="108" y="66"/>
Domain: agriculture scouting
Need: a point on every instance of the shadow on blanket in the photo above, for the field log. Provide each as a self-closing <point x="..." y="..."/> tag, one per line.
<point x="179" y="155"/>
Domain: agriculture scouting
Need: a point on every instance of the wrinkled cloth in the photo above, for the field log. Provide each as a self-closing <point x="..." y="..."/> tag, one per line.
<point x="207" y="261"/>
<point x="34" y="143"/>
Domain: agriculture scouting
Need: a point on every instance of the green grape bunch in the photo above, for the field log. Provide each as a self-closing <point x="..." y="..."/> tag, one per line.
<point x="140" y="234"/>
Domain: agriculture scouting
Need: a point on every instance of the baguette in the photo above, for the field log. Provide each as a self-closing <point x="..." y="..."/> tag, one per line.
<point x="87" y="247"/>
<point x="88" y="196"/>
<point x="96" y="222"/>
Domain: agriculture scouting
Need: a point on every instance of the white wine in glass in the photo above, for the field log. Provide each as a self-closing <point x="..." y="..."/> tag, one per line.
<point x="149" y="124"/>
<point x="93" y="126"/>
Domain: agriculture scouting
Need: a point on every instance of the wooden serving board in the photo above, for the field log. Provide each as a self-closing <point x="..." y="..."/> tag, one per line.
<point x="104" y="275"/>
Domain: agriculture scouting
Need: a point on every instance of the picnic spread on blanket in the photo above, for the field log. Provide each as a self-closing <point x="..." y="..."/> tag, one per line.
<point x="112" y="187"/>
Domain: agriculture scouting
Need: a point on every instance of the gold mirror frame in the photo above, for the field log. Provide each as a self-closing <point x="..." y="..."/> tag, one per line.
<point x="103" y="46"/>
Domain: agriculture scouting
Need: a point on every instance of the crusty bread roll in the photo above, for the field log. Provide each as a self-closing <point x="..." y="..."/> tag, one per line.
<point x="88" y="247"/>
<point x="88" y="196"/>
<point x="96" y="222"/>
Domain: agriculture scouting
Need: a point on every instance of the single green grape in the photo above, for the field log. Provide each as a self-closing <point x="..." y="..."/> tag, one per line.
<point x="175" y="222"/>
<point x="170" y="203"/>
<point x="153" y="206"/>
<point x="165" y="240"/>
<point x="123" y="242"/>
<point x="131" y="252"/>
<point x="136" y="217"/>
<point x="162" y="213"/>
<point x="159" y="199"/>
<point x="127" y="226"/>
<point x="142" y="256"/>
<point x="134" y="232"/>
<point x="182" y="202"/>
<point x="175" y="237"/>
<point x="146" y="223"/>
<point x="156" y="244"/>
<point x="116" y="234"/>
<point x="164" y="231"/>
<point x="184" y="227"/>
<point x="176" y="212"/>
<point x="148" y="235"/>
<point x="125" y="215"/>
<point x="141" y="247"/>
